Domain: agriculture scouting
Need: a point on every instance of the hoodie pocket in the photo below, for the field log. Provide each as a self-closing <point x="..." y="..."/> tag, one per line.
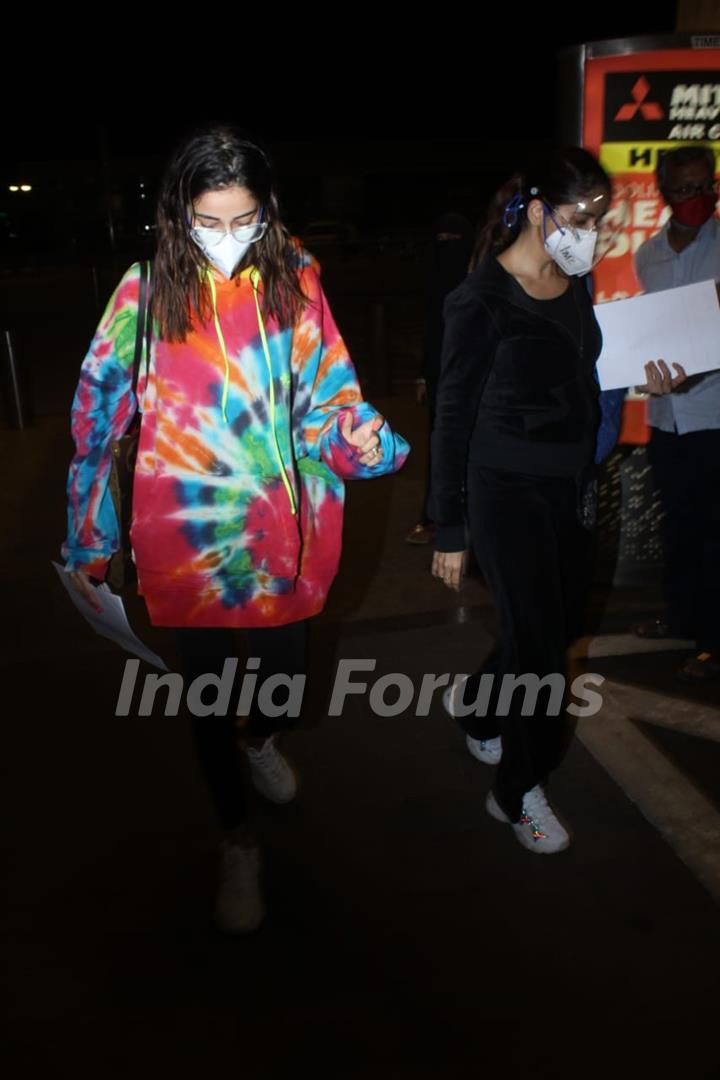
<point x="189" y="528"/>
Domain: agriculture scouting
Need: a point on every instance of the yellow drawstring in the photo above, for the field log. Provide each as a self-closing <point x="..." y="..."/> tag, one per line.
<point x="254" y="278"/>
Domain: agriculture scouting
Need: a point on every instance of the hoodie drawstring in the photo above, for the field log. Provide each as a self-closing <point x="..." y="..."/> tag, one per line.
<point x="254" y="279"/>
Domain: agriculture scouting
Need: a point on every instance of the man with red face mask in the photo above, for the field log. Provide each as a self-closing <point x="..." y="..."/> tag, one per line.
<point x="685" y="444"/>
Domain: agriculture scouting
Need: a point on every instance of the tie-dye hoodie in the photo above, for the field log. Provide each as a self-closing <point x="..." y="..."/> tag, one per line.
<point x="239" y="485"/>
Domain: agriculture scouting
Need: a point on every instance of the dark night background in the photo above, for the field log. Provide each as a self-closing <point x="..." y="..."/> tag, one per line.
<point x="374" y="130"/>
<point x="378" y="127"/>
<point x="409" y="938"/>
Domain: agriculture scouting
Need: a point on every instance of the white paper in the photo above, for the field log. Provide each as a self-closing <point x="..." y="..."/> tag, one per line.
<point x="111" y="622"/>
<point x="679" y="326"/>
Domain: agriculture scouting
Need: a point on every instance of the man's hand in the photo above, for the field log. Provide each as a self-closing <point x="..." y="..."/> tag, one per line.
<point x="659" y="378"/>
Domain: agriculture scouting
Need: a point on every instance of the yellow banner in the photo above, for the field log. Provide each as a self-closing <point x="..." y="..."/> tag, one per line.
<point x="639" y="157"/>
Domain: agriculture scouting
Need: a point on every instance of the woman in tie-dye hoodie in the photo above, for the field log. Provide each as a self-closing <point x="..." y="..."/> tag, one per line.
<point x="252" y="418"/>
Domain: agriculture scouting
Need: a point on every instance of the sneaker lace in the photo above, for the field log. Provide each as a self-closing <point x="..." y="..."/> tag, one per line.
<point x="537" y="809"/>
<point x="270" y="760"/>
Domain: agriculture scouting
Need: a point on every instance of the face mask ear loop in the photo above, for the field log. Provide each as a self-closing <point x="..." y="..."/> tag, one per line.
<point x="548" y="210"/>
<point x="512" y="209"/>
<point x="534" y="193"/>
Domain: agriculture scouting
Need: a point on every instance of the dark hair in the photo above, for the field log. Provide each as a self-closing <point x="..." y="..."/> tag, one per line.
<point x="562" y="175"/>
<point x="210" y="159"/>
<point x="683" y="155"/>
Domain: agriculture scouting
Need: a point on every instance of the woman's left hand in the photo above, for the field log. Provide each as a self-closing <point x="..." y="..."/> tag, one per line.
<point x="364" y="438"/>
<point x="660" y="379"/>
<point x="449" y="566"/>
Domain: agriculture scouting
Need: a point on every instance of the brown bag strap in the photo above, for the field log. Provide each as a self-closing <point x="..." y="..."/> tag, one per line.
<point x="143" y="330"/>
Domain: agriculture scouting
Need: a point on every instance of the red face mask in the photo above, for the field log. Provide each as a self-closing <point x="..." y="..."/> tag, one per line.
<point x="694" y="212"/>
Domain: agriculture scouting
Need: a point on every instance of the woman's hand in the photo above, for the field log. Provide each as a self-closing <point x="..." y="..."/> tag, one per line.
<point x="448" y="565"/>
<point x="659" y="378"/>
<point x="81" y="583"/>
<point x="364" y="438"/>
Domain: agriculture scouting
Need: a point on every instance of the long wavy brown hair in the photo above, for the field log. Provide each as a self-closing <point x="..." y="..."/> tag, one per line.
<point x="210" y="159"/>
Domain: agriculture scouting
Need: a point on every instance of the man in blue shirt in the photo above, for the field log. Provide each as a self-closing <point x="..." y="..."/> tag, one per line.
<point x="685" y="443"/>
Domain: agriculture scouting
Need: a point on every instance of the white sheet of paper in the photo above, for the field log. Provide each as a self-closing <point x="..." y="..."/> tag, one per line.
<point x="111" y="622"/>
<point x="679" y="326"/>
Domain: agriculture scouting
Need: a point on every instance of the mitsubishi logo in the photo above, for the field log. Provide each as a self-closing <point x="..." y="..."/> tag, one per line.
<point x="649" y="110"/>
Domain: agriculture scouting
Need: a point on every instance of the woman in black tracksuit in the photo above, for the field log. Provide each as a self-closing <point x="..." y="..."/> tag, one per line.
<point x="513" y="447"/>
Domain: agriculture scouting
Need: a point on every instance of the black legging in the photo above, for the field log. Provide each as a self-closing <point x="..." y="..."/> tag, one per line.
<point x="281" y="649"/>
<point x="535" y="555"/>
<point x="686" y="469"/>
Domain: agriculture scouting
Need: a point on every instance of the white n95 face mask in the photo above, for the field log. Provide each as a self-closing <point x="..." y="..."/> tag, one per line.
<point x="572" y="249"/>
<point x="226" y="250"/>
<point x="225" y="253"/>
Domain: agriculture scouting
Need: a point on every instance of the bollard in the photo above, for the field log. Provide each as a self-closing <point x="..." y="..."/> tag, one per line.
<point x="16" y="388"/>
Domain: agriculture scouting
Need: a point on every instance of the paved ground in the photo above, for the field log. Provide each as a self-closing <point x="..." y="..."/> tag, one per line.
<point x="408" y="935"/>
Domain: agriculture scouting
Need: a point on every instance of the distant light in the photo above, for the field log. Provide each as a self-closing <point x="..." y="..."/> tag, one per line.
<point x="26" y="187"/>
<point x="14" y="187"/>
<point x="147" y="228"/>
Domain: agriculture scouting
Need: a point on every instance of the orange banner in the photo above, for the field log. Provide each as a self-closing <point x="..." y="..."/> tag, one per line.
<point x="635" y="107"/>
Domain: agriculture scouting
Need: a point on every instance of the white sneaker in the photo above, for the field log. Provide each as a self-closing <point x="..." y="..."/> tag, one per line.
<point x="239" y="906"/>
<point x="489" y="751"/>
<point x="271" y="774"/>
<point x="538" y="829"/>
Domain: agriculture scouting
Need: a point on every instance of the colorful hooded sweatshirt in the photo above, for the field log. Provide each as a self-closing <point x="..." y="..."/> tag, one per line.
<point x="239" y="482"/>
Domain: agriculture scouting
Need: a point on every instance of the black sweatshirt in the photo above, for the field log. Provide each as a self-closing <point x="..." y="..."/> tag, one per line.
<point x="517" y="388"/>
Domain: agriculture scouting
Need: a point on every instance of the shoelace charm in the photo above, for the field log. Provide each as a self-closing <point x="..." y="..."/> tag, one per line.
<point x="537" y="832"/>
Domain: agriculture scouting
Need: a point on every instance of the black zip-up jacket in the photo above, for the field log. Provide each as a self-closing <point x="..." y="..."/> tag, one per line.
<point x="517" y="391"/>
